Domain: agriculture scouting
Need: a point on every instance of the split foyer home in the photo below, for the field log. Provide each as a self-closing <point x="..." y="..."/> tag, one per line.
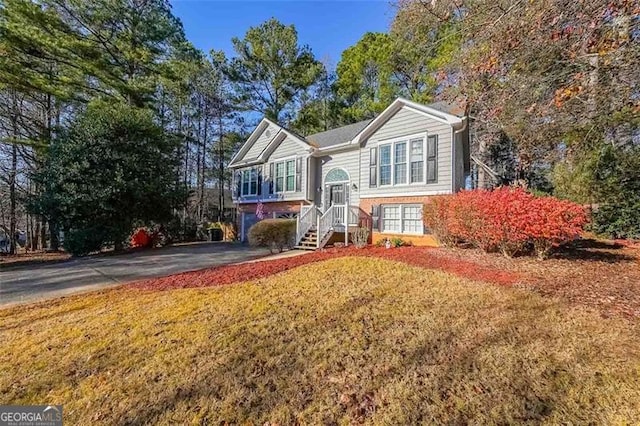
<point x="376" y="173"/>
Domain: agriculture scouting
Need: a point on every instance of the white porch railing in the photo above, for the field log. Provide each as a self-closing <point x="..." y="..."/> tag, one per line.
<point x="339" y="215"/>
<point x="336" y="216"/>
<point x="325" y="223"/>
<point x="354" y="215"/>
<point x="306" y="219"/>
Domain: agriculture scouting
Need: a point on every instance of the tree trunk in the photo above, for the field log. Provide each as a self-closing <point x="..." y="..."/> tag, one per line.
<point x="53" y="236"/>
<point x="202" y="165"/>
<point x="220" y="169"/>
<point x="12" y="199"/>
<point x="13" y="223"/>
<point x="43" y="233"/>
<point x="34" y="236"/>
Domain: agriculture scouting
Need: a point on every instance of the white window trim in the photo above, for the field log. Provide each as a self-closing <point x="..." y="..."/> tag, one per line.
<point x="401" y="207"/>
<point x="251" y="170"/>
<point x="392" y="142"/>
<point x="380" y="146"/>
<point x="284" y="161"/>
<point x="424" y="160"/>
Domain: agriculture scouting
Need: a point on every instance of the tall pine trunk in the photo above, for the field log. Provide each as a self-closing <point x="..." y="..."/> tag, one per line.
<point x="220" y="169"/>
<point x="13" y="222"/>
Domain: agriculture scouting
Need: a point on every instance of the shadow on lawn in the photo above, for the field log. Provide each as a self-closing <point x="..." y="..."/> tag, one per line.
<point x="592" y="250"/>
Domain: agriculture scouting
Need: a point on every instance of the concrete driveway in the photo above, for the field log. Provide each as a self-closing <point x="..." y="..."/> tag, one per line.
<point x="38" y="282"/>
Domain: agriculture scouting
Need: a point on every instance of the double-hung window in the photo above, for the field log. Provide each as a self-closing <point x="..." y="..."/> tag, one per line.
<point x="416" y="154"/>
<point x="279" y="177"/>
<point x="249" y="182"/>
<point x="385" y="165"/>
<point x="285" y="176"/>
<point x="404" y="161"/>
<point x="400" y="163"/>
<point x="290" y="171"/>
<point x="391" y="221"/>
<point x="402" y="219"/>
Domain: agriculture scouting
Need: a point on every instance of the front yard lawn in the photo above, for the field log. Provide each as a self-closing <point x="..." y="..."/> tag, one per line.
<point x="346" y="340"/>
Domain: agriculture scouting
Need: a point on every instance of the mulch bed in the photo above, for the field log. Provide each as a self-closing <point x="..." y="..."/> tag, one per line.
<point x="599" y="275"/>
<point x="417" y="256"/>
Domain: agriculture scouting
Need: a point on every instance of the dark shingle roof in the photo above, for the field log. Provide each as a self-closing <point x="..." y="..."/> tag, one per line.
<point x="337" y="136"/>
<point x="452" y="109"/>
<point x="344" y="134"/>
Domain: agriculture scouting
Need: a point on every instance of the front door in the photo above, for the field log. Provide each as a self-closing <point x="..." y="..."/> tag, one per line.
<point x="336" y="194"/>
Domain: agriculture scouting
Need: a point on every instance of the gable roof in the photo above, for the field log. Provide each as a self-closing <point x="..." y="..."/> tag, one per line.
<point x="433" y="111"/>
<point x="274" y="140"/>
<point x="453" y="109"/>
<point x="350" y="134"/>
<point x="338" y="135"/>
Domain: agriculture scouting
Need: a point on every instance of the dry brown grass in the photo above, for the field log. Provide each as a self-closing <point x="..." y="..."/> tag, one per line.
<point x="343" y="341"/>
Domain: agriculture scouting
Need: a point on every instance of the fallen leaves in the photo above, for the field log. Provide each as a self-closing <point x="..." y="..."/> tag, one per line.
<point x="605" y="277"/>
<point x="417" y="256"/>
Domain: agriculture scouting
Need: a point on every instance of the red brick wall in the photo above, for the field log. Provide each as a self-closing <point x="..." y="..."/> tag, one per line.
<point x="418" y="240"/>
<point x="366" y="203"/>
<point x="270" y="207"/>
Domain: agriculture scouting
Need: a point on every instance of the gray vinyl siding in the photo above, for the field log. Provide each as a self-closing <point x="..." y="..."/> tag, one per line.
<point x="287" y="149"/>
<point x="313" y="165"/>
<point x="347" y="160"/>
<point x="409" y="123"/>
<point x="260" y="144"/>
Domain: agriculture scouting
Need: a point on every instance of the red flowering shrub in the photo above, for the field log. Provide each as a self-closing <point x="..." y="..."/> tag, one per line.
<point x="141" y="238"/>
<point x="509" y="220"/>
<point x="437" y="217"/>
<point x="553" y="222"/>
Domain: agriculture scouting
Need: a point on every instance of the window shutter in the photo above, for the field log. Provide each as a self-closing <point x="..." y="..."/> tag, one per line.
<point x="298" y="174"/>
<point x="375" y="217"/>
<point x="259" y="172"/>
<point x="238" y="183"/>
<point x="270" y="179"/>
<point x="432" y="159"/>
<point x="373" y="167"/>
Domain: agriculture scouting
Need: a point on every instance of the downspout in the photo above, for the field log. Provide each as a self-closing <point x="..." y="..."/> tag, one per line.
<point x="465" y="121"/>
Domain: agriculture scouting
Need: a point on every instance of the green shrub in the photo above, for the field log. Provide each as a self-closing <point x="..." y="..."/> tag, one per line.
<point x="273" y="233"/>
<point x="399" y="242"/>
<point x="395" y="242"/>
<point x="620" y="220"/>
<point x="81" y="242"/>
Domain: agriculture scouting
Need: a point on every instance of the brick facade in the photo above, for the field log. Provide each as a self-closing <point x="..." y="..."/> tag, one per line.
<point x="417" y="240"/>
<point x="365" y="216"/>
<point x="273" y="207"/>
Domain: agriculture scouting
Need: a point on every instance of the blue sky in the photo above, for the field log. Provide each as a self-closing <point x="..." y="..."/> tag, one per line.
<point x="328" y="27"/>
